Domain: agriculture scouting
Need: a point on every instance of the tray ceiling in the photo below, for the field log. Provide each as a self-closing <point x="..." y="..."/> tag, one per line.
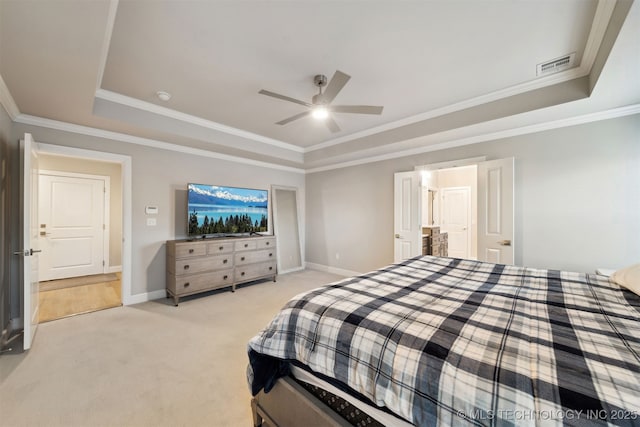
<point x="435" y="66"/>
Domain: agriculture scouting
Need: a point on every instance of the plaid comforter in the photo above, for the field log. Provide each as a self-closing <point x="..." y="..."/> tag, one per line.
<point x="442" y="341"/>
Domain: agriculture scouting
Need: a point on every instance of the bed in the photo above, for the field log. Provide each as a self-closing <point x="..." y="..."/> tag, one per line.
<point x="443" y="341"/>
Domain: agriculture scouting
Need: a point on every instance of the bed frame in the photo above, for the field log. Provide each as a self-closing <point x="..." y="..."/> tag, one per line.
<point x="288" y="404"/>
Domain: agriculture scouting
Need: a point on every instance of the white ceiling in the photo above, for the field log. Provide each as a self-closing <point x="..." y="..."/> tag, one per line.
<point x="442" y="69"/>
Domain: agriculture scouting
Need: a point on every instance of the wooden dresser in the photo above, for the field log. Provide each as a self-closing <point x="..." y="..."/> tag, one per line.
<point x="434" y="242"/>
<point x="201" y="265"/>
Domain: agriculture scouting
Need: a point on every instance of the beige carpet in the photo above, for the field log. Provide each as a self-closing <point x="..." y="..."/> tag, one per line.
<point x="150" y="364"/>
<point x="51" y="285"/>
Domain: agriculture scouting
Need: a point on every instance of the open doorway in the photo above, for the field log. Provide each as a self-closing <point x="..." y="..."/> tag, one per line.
<point x="490" y="223"/>
<point x="80" y="211"/>
<point x="449" y="201"/>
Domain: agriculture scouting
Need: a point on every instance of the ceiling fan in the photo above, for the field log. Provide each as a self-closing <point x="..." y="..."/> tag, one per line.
<point x="320" y="106"/>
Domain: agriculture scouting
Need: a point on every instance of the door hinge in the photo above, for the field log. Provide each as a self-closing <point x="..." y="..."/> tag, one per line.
<point x="104" y="226"/>
<point x="103" y="263"/>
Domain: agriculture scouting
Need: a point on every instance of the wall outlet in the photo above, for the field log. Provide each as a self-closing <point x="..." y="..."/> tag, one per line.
<point x="151" y="222"/>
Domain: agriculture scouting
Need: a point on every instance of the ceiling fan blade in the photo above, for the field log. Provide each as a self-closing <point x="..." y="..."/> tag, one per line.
<point x="336" y="84"/>
<point x="283" y="97"/>
<point x="331" y="124"/>
<point x="358" y="109"/>
<point x="292" y="118"/>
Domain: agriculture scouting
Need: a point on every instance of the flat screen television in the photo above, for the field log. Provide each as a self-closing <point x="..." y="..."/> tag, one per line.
<point x="218" y="211"/>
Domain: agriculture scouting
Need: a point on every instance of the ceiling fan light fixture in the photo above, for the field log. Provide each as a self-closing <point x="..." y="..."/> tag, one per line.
<point x="320" y="113"/>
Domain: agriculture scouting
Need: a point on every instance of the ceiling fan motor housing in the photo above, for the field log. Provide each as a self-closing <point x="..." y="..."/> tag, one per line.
<point x="320" y="80"/>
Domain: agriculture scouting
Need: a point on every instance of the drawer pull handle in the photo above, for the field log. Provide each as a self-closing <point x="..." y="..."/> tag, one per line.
<point x="186" y="267"/>
<point x="268" y="243"/>
<point x="190" y="251"/>
<point x="270" y="254"/>
<point x="225" y="277"/>
<point x="242" y="259"/>
<point x="270" y="268"/>
<point x="186" y="285"/>
<point x="246" y="245"/>
<point x="224" y="261"/>
<point x="242" y="274"/>
<point x="221" y="248"/>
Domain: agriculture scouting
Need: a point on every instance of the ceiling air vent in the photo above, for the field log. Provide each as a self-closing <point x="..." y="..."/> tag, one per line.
<point x="555" y="65"/>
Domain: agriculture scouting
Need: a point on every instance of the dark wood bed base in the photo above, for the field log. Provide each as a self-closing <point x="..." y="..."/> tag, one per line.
<point x="290" y="405"/>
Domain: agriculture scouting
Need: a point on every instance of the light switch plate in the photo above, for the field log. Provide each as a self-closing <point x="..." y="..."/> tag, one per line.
<point x="151" y="210"/>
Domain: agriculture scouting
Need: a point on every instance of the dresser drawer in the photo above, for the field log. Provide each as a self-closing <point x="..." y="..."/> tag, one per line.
<point x="219" y="248"/>
<point x="187" y="250"/>
<point x="199" y="282"/>
<point x="252" y="271"/>
<point x="266" y="243"/>
<point x="199" y="265"/>
<point x="246" y="245"/>
<point x="255" y="256"/>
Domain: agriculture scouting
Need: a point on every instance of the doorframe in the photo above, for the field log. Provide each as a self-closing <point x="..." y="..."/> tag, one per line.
<point x="451" y="164"/>
<point x="106" y="204"/>
<point x="125" y="170"/>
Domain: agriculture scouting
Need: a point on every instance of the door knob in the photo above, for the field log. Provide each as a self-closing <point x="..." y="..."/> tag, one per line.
<point x="397" y="236"/>
<point x="505" y="242"/>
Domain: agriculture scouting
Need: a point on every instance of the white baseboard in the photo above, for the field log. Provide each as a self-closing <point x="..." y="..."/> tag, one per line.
<point x="147" y="296"/>
<point x="114" y="269"/>
<point x="333" y="270"/>
<point x="291" y="270"/>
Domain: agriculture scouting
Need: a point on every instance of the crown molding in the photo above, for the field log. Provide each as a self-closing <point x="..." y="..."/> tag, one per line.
<point x="117" y="136"/>
<point x="188" y="118"/>
<point x="560" y="77"/>
<point x="7" y="100"/>
<point x="490" y="136"/>
<point x="450" y="143"/>
<point x="106" y="42"/>
<point x="601" y="19"/>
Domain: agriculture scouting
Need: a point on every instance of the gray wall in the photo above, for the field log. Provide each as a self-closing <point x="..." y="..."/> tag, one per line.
<point x="160" y="179"/>
<point x="577" y="200"/>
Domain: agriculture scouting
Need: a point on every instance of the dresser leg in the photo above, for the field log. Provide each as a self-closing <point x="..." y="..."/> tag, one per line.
<point x="176" y="299"/>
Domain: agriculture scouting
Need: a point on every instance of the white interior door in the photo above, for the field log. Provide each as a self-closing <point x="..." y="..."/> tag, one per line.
<point x="407" y="227"/>
<point x="72" y="226"/>
<point x="30" y="247"/>
<point x="455" y="203"/>
<point x="495" y="211"/>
